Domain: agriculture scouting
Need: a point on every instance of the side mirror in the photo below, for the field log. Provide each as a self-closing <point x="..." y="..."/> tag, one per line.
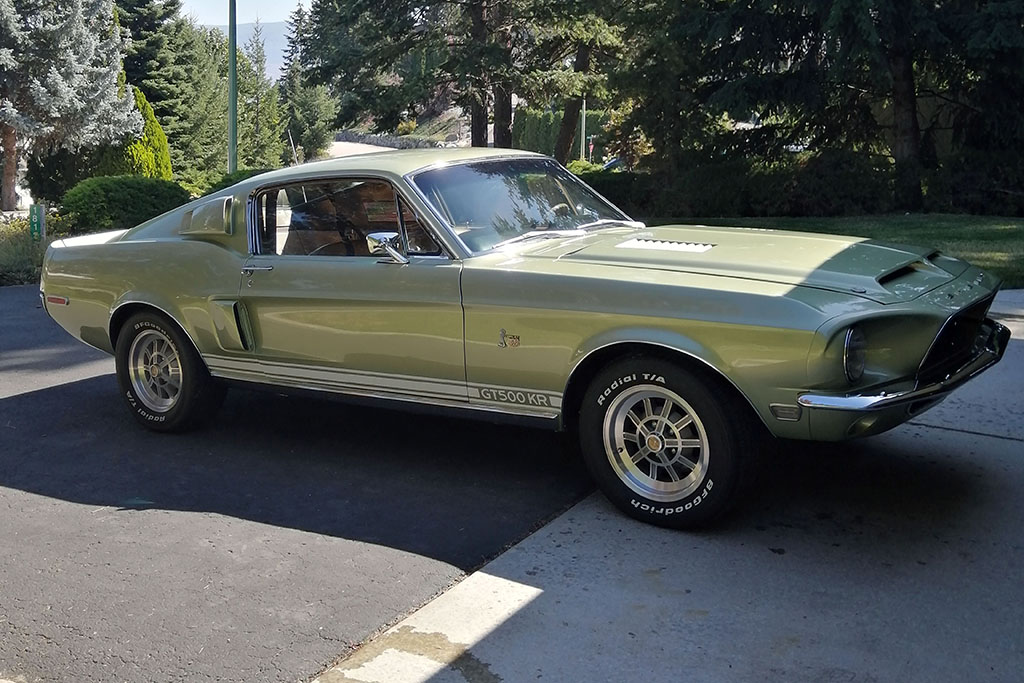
<point x="386" y="243"/>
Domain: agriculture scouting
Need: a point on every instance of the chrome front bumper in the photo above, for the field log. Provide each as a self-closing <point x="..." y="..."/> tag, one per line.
<point x="992" y="350"/>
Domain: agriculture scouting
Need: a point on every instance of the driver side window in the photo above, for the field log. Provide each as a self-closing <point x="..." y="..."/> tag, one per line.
<point x="330" y="217"/>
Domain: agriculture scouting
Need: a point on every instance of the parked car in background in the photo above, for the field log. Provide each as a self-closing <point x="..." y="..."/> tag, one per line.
<point x="495" y="283"/>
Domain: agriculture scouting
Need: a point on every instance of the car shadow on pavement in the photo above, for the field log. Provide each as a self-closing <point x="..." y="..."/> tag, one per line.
<point x="458" y="491"/>
<point x="877" y="490"/>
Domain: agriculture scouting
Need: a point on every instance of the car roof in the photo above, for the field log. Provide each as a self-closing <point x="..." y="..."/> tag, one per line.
<point x="398" y="162"/>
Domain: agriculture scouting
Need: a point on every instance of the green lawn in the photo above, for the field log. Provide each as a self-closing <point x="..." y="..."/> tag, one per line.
<point x="992" y="242"/>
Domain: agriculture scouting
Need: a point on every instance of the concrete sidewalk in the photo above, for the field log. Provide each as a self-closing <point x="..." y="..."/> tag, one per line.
<point x="893" y="558"/>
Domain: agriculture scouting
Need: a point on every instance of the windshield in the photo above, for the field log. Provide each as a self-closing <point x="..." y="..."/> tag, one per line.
<point x="488" y="203"/>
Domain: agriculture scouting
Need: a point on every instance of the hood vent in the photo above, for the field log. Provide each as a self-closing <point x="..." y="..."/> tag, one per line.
<point x="665" y="245"/>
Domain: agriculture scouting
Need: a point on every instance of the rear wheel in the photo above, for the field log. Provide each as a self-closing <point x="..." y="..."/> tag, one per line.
<point x="666" y="445"/>
<point x="162" y="377"/>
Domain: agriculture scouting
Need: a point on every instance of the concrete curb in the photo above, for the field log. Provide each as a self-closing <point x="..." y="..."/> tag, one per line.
<point x="1009" y="303"/>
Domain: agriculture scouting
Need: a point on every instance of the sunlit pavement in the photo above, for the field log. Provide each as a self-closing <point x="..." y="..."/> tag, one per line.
<point x="896" y="558"/>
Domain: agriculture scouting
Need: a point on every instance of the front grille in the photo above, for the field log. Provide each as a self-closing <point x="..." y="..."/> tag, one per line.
<point x="959" y="340"/>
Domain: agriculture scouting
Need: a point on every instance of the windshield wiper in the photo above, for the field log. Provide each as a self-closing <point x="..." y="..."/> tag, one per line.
<point x="606" y="221"/>
<point x="577" y="232"/>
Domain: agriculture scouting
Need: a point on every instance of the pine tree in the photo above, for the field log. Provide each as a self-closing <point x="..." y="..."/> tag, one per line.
<point x="149" y="62"/>
<point x="308" y="111"/>
<point x="260" y="143"/>
<point x="198" y="137"/>
<point x="313" y="112"/>
<point x="59" y="69"/>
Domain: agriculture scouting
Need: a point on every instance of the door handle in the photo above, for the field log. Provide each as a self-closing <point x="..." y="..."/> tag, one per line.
<point x="248" y="270"/>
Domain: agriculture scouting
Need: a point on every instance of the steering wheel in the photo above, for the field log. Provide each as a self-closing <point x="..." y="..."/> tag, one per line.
<point x="349" y="249"/>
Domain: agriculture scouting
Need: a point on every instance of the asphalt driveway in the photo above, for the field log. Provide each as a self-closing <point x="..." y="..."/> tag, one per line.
<point x="260" y="549"/>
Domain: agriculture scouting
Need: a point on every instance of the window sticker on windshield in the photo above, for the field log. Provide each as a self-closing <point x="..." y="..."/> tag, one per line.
<point x="380" y="212"/>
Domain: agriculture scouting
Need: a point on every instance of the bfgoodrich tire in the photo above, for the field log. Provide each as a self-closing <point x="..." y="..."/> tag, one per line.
<point x="665" y="444"/>
<point x="161" y="376"/>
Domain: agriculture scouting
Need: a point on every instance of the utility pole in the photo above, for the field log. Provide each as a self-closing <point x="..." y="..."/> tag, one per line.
<point x="232" y="90"/>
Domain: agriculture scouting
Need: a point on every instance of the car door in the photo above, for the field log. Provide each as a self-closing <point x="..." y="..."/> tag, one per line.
<point x="323" y="312"/>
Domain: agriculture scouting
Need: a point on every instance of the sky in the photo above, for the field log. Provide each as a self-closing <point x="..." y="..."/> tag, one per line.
<point x="215" y="12"/>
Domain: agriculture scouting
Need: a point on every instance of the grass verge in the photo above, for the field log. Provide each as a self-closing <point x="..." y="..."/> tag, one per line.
<point x="992" y="242"/>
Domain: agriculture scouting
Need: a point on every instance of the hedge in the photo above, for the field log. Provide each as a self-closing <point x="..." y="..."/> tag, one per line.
<point x="537" y="131"/>
<point x="827" y="183"/>
<point x="119" y="202"/>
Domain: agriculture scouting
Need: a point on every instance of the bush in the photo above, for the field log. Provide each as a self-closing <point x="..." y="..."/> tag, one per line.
<point x="826" y="183"/>
<point x="978" y="181"/>
<point x="406" y="127"/>
<point x="119" y="202"/>
<point x="634" y="193"/>
<point x="20" y="256"/>
<point x="229" y="179"/>
<point x="579" y="166"/>
<point x="148" y="155"/>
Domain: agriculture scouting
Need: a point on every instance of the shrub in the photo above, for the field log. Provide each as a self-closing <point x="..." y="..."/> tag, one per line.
<point x="838" y="182"/>
<point x="229" y="179"/>
<point x="119" y="202"/>
<point x="579" y="166"/>
<point x="148" y="155"/>
<point x="20" y="256"/>
<point x="826" y="183"/>
<point x="634" y="193"/>
<point x="406" y="127"/>
<point x="978" y="181"/>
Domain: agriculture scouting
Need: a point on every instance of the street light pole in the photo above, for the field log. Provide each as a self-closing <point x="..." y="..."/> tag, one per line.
<point x="583" y="129"/>
<point x="232" y="91"/>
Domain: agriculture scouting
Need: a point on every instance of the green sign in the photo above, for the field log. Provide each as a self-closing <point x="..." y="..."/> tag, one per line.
<point x="37" y="221"/>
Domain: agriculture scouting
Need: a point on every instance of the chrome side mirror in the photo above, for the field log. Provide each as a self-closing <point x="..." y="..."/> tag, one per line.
<point x="386" y="243"/>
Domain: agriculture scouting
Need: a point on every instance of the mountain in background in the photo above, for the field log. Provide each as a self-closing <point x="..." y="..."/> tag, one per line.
<point x="275" y="38"/>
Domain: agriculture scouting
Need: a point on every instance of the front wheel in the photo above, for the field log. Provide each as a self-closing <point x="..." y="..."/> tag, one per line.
<point x="162" y="377"/>
<point x="665" y="444"/>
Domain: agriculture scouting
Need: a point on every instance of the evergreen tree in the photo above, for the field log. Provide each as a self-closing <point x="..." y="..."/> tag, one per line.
<point x="198" y="136"/>
<point x="307" y="110"/>
<point x="52" y="174"/>
<point x="313" y="112"/>
<point x="260" y="143"/>
<point x="149" y="62"/>
<point x="59" y="69"/>
<point x="569" y="46"/>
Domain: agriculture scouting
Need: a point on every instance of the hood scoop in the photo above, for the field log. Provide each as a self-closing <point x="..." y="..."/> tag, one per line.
<point x="665" y="245"/>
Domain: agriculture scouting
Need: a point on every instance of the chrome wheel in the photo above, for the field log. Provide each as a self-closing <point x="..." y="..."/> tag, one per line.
<point x="155" y="370"/>
<point x="655" y="443"/>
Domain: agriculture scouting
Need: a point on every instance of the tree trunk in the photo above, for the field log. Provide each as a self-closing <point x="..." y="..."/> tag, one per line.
<point x="571" y="111"/>
<point x="478" y="124"/>
<point x="906" y="145"/>
<point x="502" y="116"/>
<point x="478" y="109"/>
<point x="9" y="141"/>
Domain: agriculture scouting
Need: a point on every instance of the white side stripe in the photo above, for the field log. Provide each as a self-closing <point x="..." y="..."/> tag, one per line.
<point x="336" y="379"/>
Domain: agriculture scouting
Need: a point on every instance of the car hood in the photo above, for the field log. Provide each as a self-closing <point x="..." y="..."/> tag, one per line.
<point x="886" y="273"/>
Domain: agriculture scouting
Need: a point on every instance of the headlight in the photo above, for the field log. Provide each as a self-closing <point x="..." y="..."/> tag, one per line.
<point x="854" y="354"/>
